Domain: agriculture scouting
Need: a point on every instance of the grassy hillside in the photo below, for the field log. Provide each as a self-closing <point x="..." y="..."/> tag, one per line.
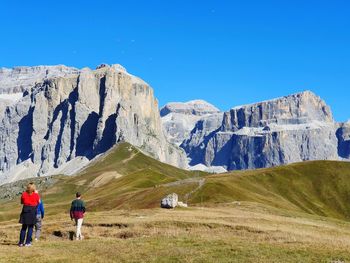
<point x="317" y="187"/>
<point x="122" y="178"/>
<point x="125" y="178"/>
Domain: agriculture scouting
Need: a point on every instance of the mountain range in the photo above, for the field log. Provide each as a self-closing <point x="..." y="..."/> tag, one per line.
<point x="57" y="119"/>
<point x="294" y="128"/>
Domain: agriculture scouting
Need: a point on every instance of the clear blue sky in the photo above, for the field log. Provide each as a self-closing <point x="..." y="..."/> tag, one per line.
<point x="226" y="52"/>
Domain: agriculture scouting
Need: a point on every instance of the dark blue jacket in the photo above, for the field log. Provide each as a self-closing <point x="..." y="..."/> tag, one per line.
<point x="40" y="209"/>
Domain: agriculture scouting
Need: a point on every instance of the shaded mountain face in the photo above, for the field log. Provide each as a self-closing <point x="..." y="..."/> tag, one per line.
<point x="343" y="135"/>
<point x="55" y="119"/>
<point x="285" y="130"/>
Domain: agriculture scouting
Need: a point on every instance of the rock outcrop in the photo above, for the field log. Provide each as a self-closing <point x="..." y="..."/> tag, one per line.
<point x="290" y="129"/>
<point x="56" y="119"/>
<point x="170" y="201"/>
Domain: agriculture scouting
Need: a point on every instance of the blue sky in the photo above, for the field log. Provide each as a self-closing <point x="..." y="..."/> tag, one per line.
<point x="227" y="52"/>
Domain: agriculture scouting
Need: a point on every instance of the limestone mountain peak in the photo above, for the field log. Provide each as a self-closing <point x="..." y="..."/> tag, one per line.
<point x="193" y="107"/>
<point x="55" y="119"/>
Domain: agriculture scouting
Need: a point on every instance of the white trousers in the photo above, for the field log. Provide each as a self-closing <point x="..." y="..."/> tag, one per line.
<point x="79" y="223"/>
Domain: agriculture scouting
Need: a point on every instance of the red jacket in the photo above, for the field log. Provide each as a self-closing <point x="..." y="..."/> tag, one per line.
<point x="30" y="199"/>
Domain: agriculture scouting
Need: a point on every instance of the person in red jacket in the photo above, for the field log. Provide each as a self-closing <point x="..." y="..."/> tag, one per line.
<point x="30" y="200"/>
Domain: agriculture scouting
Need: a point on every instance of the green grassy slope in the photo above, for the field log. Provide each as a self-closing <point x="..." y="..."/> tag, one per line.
<point x="317" y="187"/>
<point x="126" y="178"/>
<point x="122" y="178"/>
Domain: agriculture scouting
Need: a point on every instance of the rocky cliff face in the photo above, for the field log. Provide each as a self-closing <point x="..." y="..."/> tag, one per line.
<point x="56" y="119"/>
<point x="295" y="109"/>
<point x="290" y="129"/>
<point x="179" y="119"/>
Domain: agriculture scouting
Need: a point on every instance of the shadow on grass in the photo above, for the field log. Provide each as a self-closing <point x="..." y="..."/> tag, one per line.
<point x="60" y="234"/>
<point x="8" y="243"/>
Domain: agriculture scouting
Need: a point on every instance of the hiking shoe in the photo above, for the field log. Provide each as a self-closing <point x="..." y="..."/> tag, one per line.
<point x="28" y="245"/>
<point x="21" y="245"/>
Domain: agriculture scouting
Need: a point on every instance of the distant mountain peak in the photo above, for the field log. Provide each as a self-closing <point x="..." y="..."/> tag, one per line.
<point x="302" y="94"/>
<point x="116" y="67"/>
<point x="300" y="107"/>
<point x="19" y="79"/>
<point x="194" y="107"/>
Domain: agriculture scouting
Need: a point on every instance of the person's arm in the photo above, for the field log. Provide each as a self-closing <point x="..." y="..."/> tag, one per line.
<point x="42" y="211"/>
<point x="84" y="209"/>
<point x="22" y="197"/>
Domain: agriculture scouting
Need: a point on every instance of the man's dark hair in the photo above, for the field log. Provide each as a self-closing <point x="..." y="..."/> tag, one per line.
<point x="78" y="194"/>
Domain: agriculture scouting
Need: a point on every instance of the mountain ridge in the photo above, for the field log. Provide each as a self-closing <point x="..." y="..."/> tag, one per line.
<point x="282" y="130"/>
<point x="67" y="117"/>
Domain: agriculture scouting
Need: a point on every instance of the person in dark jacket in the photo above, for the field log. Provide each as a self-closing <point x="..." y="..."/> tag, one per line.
<point x="77" y="212"/>
<point x="30" y="200"/>
<point x="40" y="212"/>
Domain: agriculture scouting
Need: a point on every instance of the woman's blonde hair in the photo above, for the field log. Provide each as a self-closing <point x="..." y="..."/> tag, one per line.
<point x="31" y="188"/>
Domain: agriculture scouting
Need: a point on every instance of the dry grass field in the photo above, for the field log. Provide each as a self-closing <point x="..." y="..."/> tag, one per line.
<point x="229" y="233"/>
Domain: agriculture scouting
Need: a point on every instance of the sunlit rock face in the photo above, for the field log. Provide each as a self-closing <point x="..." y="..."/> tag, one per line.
<point x="179" y="119"/>
<point x="293" y="128"/>
<point x="56" y="119"/>
<point x="295" y="109"/>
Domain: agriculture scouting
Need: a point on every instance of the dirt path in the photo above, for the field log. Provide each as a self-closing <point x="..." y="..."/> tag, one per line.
<point x="130" y="157"/>
<point x="185" y="181"/>
<point x="200" y="181"/>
